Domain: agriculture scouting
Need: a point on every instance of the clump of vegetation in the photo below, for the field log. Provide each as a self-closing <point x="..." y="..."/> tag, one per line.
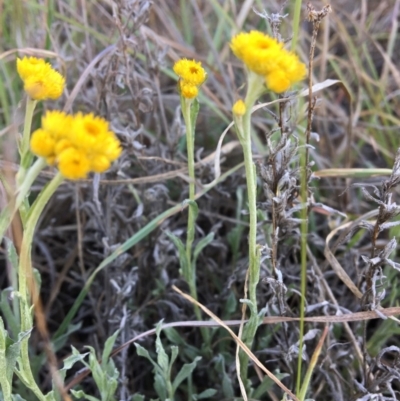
<point x="226" y="175"/>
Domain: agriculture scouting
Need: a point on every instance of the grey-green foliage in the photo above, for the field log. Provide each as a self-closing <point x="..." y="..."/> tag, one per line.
<point x="105" y="374"/>
<point x="9" y="352"/>
<point x="9" y="357"/>
<point x="227" y="385"/>
<point x="185" y="269"/>
<point x="164" y="385"/>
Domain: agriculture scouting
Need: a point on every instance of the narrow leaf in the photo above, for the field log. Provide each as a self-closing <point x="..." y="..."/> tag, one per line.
<point x="160" y="386"/>
<point x="174" y="354"/>
<point x="193" y="206"/>
<point x="162" y="357"/>
<point x="184" y="373"/>
<point x="70" y="361"/>
<point x="145" y="354"/>
<point x="201" y="245"/>
<point x="181" y="251"/>
<point x="9" y="317"/>
<point x="108" y="347"/>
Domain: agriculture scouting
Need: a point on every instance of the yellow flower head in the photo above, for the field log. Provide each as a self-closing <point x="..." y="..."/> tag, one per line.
<point x="239" y="108"/>
<point x="42" y="143"/>
<point x="258" y="51"/>
<point x="277" y="81"/>
<point x="73" y="164"/>
<point x="29" y="66"/>
<point x="90" y="132"/>
<point x="100" y="163"/>
<point x="188" y="91"/>
<point x="190" y="71"/>
<point x="41" y="81"/>
<point x="55" y="127"/>
<point x="266" y="57"/>
<point x="57" y="123"/>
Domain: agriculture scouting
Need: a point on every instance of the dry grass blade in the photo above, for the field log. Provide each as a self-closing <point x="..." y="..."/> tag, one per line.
<point x="29" y="51"/>
<point x="239" y="341"/>
<point x="353" y="172"/>
<point x="315" y="88"/>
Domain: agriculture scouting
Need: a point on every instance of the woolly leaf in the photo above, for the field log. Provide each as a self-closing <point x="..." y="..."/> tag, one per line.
<point x="108" y="347"/>
<point x="184" y="373"/>
<point x="181" y="251"/>
<point x="200" y="246"/>
<point x="162" y="357"/>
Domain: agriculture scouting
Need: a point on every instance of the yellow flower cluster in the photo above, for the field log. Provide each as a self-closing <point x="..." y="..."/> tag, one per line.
<point x="191" y="75"/>
<point x="266" y="57"/>
<point x="41" y="81"/>
<point x="77" y="144"/>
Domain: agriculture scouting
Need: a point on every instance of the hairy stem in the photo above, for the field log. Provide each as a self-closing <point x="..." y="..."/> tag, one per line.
<point x="190" y="273"/>
<point x="243" y="128"/>
<point x="27" y="283"/>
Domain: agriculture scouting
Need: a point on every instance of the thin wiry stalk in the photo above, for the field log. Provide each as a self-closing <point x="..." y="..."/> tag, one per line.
<point x="316" y="18"/>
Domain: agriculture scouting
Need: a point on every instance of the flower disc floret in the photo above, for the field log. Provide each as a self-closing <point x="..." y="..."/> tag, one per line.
<point x="41" y="81"/>
<point x="190" y="71"/>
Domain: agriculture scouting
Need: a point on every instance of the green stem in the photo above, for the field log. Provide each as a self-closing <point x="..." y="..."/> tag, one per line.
<point x="254" y="91"/>
<point x="254" y="270"/>
<point x="190" y="269"/>
<point x="24" y="147"/>
<point x="192" y="188"/>
<point x="26" y="280"/>
<point x="303" y="252"/>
